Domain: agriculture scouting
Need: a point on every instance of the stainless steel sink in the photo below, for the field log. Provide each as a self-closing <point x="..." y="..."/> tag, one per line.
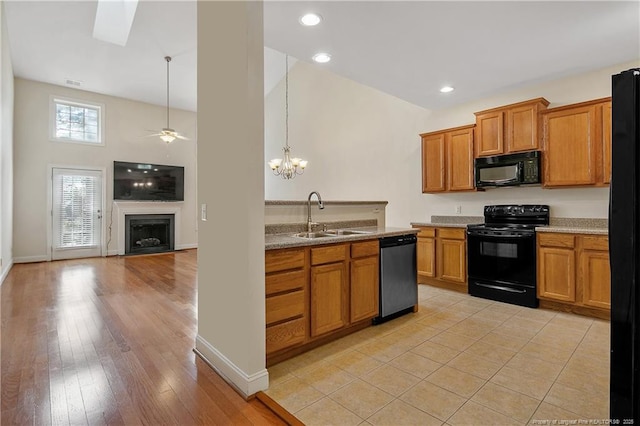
<point x="320" y="234"/>
<point x="329" y="233"/>
<point x="345" y="232"/>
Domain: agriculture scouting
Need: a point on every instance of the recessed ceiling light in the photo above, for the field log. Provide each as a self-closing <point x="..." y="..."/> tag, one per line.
<point x="310" y="19"/>
<point x="322" y="58"/>
<point x="446" y="89"/>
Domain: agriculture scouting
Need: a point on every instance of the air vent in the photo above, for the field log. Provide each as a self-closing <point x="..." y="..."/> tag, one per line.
<point x="70" y="82"/>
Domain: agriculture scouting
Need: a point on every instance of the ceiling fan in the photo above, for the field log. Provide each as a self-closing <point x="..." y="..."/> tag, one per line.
<point x="167" y="134"/>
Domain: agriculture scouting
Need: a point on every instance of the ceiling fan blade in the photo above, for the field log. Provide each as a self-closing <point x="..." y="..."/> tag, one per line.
<point x="182" y="137"/>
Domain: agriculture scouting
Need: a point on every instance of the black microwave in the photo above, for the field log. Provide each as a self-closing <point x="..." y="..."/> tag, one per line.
<point x="522" y="168"/>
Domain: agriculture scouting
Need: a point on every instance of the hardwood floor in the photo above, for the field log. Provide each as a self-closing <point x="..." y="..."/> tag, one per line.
<point x="109" y="341"/>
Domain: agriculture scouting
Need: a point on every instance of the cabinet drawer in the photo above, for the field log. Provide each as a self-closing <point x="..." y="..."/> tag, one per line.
<point x="595" y="243"/>
<point x="367" y="248"/>
<point x="283" y="335"/>
<point x="556" y="240"/>
<point x="280" y="260"/>
<point x="427" y="232"/>
<point x="328" y="254"/>
<point x="452" y="233"/>
<point x="284" y="281"/>
<point x="284" y="306"/>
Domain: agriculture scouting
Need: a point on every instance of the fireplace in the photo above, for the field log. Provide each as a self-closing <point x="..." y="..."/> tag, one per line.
<point x="149" y="233"/>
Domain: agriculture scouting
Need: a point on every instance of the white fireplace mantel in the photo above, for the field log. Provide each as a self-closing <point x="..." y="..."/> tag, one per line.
<point x="123" y="208"/>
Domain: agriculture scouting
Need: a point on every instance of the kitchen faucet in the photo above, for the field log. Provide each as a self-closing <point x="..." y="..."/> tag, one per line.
<point x="320" y="206"/>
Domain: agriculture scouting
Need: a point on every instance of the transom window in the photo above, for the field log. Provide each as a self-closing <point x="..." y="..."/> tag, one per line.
<point x="77" y="122"/>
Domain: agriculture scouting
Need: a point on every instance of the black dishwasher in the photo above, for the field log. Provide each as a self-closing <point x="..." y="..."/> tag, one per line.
<point x="398" y="276"/>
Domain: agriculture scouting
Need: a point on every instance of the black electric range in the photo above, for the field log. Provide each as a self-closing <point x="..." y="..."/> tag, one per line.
<point x="501" y="260"/>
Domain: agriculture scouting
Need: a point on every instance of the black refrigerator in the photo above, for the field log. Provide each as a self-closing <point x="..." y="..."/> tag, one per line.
<point x="624" y="247"/>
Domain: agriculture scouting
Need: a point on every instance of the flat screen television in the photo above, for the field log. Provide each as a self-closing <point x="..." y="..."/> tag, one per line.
<point x="147" y="182"/>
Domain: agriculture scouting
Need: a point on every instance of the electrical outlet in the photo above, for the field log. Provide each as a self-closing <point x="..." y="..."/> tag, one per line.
<point x="458" y="209"/>
<point x="203" y="212"/>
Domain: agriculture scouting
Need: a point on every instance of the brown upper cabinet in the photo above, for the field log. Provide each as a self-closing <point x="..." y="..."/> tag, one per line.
<point x="577" y="144"/>
<point x="447" y="160"/>
<point x="509" y="128"/>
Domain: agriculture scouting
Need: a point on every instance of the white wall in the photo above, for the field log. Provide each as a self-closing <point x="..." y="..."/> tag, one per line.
<point x="364" y="144"/>
<point x="6" y="150"/>
<point x="126" y="127"/>
<point x="361" y="144"/>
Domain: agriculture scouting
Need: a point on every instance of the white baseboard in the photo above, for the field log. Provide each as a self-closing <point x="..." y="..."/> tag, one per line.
<point x="244" y="383"/>
<point x="30" y="259"/>
<point x="6" y="271"/>
<point x="187" y="246"/>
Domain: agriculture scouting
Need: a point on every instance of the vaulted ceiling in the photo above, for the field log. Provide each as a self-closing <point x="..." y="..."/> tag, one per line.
<point x="407" y="49"/>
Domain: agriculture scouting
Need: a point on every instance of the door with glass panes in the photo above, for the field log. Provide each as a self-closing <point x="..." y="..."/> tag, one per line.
<point x="76" y="213"/>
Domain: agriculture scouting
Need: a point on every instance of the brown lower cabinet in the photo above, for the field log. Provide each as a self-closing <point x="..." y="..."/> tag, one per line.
<point x="574" y="274"/>
<point x="329" y="289"/>
<point x="316" y="294"/>
<point x="442" y="257"/>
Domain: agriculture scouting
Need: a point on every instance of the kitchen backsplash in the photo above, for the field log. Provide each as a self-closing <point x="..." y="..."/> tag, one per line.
<point x="283" y="228"/>
<point x="457" y="219"/>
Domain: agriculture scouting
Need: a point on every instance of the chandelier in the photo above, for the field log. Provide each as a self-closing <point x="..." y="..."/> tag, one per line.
<point x="287" y="167"/>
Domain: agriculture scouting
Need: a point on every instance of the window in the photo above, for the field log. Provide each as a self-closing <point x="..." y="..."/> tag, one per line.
<point x="76" y="122"/>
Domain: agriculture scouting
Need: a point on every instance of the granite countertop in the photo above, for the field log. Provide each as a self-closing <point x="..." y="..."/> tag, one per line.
<point x="573" y="230"/>
<point x="594" y="226"/>
<point x="278" y="241"/>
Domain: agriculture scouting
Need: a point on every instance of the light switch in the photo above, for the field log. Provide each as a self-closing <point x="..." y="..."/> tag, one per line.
<point x="203" y="212"/>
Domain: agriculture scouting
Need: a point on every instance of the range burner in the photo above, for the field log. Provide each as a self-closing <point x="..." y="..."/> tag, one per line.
<point x="502" y="253"/>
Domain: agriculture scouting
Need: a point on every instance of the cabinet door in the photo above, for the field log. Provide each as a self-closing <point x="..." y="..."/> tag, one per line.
<point x="570" y="147"/>
<point x="460" y="160"/>
<point x="522" y="128"/>
<point x="328" y="298"/>
<point x="596" y="279"/>
<point x="426" y="253"/>
<point x="452" y="260"/>
<point x="606" y="142"/>
<point x="364" y="288"/>
<point x="433" y="163"/>
<point x="557" y="274"/>
<point x="490" y="127"/>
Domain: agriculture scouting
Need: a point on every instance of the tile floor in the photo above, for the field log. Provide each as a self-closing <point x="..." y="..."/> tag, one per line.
<point x="460" y="360"/>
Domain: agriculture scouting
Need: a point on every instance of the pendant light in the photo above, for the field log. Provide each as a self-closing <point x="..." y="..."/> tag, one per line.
<point x="287" y="167"/>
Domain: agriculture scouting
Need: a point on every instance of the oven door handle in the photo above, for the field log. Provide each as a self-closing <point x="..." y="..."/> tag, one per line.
<point x="513" y="236"/>
<point x="501" y="288"/>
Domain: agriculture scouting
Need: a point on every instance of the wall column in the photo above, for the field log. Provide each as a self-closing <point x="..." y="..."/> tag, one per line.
<point x="231" y="312"/>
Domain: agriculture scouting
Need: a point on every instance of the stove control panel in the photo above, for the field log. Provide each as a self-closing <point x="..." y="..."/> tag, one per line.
<point x="517" y="210"/>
